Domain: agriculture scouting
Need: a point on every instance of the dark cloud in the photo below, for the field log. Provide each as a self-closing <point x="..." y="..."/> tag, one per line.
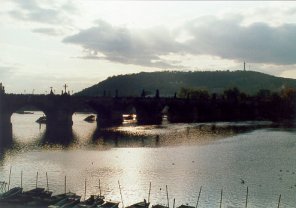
<point x="226" y="38"/>
<point x="118" y="44"/>
<point x="30" y="10"/>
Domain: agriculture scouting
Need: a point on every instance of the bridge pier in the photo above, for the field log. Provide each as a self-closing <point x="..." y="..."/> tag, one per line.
<point x="59" y="121"/>
<point x="5" y="122"/>
<point x="149" y="111"/>
<point x="5" y="127"/>
<point x="109" y="111"/>
<point x="58" y="111"/>
<point x="109" y="118"/>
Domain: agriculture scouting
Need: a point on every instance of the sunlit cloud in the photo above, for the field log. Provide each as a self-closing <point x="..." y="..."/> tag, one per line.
<point x="225" y="38"/>
<point x="123" y="45"/>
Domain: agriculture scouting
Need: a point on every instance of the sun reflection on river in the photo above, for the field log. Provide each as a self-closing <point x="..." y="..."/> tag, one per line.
<point x="182" y="156"/>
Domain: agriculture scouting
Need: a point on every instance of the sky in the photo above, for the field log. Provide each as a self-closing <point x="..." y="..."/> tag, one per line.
<point x="49" y="43"/>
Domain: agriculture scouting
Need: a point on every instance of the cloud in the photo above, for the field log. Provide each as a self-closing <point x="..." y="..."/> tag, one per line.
<point x="123" y="45"/>
<point x="256" y="43"/>
<point x="30" y="10"/>
<point x="226" y="38"/>
<point x="69" y="7"/>
<point x="48" y="31"/>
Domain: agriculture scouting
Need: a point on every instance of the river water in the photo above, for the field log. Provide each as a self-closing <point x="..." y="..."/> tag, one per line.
<point x="228" y="156"/>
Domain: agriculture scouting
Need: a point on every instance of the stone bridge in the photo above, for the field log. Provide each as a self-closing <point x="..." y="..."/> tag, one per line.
<point x="149" y="110"/>
<point x="60" y="108"/>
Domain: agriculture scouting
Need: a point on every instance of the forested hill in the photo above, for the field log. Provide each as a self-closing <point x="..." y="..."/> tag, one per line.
<point x="170" y="82"/>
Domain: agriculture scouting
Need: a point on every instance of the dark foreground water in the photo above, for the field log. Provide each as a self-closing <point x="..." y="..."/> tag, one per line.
<point x="182" y="156"/>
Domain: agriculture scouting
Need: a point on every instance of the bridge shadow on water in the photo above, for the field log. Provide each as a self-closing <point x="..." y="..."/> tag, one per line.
<point x="12" y="145"/>
<point x="6" y="143"/>
<point x="59" y="137"/>
<point x="101" y="137"/>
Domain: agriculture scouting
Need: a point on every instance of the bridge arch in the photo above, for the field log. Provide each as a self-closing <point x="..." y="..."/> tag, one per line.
<point x="11" y="104"/>
<point x="57" y="109"/>
<point x="24" y="125"/>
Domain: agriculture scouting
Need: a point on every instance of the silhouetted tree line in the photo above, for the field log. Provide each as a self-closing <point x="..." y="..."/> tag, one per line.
<point x="233" y="104"/>
<point x="169" y="82"/>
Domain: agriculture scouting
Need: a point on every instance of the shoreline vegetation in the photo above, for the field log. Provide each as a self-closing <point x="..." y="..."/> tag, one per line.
<point x="234" y="105"/>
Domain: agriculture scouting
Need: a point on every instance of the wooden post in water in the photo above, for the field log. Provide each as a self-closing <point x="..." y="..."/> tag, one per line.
<point x="279" y="201"/>
<point x="221" y="198"/>
<point x="21" y="179"/>
<point x="247" y="196"/>
<point x="100" y="187"/>
<point x="198" y="196"/>
<point x="65" y="184"/>
<point x="37" y="180"/>
<point x="174" y="203"/>
<point x="149" y="192"/>
<point x="84" y="189"/>
<point x="120" y="194"/>
<point x="47" y="181"/>
<point x="167" y="192"/>
<point x="9" y="178"/>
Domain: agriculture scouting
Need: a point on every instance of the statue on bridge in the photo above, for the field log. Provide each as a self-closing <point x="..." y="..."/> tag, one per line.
<point x="51" y="92"/>
<point x="65" y="92"/>
<point x="2" y="89"/>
